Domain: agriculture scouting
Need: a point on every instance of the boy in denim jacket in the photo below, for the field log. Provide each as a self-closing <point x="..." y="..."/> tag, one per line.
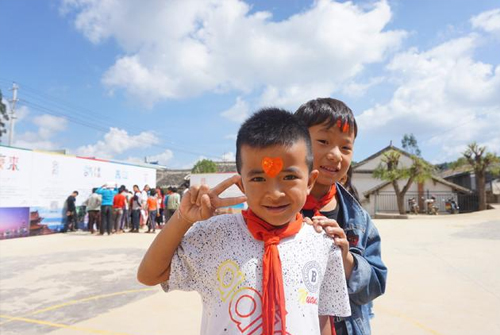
<point x="333" y="130"/>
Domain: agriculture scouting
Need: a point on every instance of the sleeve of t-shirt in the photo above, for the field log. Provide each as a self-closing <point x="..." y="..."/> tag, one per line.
<point x="333" y="298"/>
<point x="187" y="269"/>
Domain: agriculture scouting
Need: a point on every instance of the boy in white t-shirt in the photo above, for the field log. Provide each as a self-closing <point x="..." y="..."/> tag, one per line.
<point x="263" y="271"/>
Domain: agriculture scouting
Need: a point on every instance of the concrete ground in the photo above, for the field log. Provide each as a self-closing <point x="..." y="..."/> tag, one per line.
<point x="444" y="278"/>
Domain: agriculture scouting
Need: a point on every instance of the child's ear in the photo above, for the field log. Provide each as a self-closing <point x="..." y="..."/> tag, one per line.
<point x="239" y="183"/>
<point x="312" y="179"/>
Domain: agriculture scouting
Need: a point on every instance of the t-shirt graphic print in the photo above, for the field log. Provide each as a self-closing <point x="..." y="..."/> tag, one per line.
<point x="221" y="260"/>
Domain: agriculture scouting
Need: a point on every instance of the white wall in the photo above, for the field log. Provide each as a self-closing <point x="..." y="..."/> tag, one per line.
<point x="364" y="182"/>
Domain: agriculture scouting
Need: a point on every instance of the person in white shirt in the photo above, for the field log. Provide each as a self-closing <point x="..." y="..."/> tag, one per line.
<point x="263" y="271"/>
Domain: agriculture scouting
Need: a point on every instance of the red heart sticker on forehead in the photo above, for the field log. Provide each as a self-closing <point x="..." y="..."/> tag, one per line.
<point x="272" y="166"/>
<point x="345" y="128"/>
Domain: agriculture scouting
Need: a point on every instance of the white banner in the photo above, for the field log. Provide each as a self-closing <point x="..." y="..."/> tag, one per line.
<point x="42" y="181"/>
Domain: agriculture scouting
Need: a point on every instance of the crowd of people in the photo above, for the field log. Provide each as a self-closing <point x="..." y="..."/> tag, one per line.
<point x="116" y="210"/>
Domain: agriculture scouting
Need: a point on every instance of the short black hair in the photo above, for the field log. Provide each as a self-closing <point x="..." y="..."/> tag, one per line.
<point x="326" y="110"/>
<point x="76" y="192"/>
<point x="269" y="127"/>
<point x="94" y="189"/>
<point x="152" y="192"/>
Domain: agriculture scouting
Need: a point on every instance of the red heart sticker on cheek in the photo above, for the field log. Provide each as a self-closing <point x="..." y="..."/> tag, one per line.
<point x="272" y="166"/>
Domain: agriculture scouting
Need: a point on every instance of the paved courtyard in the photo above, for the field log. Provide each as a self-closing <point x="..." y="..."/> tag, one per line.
<point x="444" y="278"/>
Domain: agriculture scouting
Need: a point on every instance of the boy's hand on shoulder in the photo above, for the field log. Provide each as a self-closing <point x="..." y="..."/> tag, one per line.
<point x="332" y="229"/>
<point x="200" y="202"/>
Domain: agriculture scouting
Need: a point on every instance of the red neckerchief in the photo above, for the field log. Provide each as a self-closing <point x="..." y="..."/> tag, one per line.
<point x="273" y="293"/>
<point x="316" y="205"/>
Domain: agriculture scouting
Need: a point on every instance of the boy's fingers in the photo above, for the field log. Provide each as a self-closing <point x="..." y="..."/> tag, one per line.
<point x="321" y="220"/>
<point x="334" y="231"/>
<point x="225" y="184"/>
<point x="193" y="192"/>
<point x="204" y="189"/>
<point x="318" y="228"/>
<point x="206" y="206"/>
<point x="315" y="223"/>
<point x="225" y="202"/>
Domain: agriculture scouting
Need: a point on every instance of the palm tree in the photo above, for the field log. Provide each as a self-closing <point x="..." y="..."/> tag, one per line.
<point x="390" y="170"/>
<point x="480" y="161"/>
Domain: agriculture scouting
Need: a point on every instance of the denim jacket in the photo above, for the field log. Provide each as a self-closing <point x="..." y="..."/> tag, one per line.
<point x="368" y="278"/>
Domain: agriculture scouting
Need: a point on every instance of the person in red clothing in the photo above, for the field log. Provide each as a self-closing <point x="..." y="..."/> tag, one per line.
<point x="118" y="206"/>
<point x="152" y="211"/>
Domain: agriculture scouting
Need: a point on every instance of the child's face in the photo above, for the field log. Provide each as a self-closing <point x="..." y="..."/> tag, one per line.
<point x="332" y="151"/>
<point x="277" y="199"/>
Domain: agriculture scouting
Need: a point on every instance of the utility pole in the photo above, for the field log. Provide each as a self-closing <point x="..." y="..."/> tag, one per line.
<point x="12" y="112"/>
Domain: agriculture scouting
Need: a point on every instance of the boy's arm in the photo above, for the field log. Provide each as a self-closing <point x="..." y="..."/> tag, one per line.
<point x="333" y="294"/>
<point x="332" y="229"/>
<point x="155" y="266"/>
<point x="324" y="325"/>
<point x="369" y="276"/>
<point x="198" y="204"/>
<point x="365" y="272"/>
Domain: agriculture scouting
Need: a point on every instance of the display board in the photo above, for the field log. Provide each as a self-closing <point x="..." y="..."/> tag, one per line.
<point x="42" y="181"/>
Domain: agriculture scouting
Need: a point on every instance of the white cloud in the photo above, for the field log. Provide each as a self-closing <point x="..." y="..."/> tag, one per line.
<point x="238" y="112"/>
<point x="162" y="158"/>
<point x="231" y="137"/>
<point x="444" y="95"/>
<point x="48" y="125"/>
<point x="488" y="21"/>
<point x="229" y="157"/>
<point x="42" y="138"/>
<point x="177" y="49"/>
<point x="292" y="96"/>
<point x="117" y="141"/>
<point x="356" y="90"/>
<point x="21" y="113"/>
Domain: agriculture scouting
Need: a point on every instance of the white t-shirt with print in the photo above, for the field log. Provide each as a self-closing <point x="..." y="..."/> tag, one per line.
<point x="221" y="260"/>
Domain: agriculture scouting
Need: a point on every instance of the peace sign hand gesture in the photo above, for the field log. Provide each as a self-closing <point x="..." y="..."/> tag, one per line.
<point x="200" y="202"/>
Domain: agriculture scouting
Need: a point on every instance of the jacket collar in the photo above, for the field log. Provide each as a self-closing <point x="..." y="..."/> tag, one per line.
<point x="351" y="208"/>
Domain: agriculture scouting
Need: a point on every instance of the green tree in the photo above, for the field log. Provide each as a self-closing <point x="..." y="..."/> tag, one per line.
<point x="480" y="162"/>
<point x="409" y="143"/>
<point x="204" y="166"/>
<point x="391" y="170"/>
<point x="3" y="116"/>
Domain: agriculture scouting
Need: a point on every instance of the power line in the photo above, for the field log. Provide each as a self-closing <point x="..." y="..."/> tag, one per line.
<point x="473" y="116"/>
<point x="86" y="117"/>
<point x="102" y="129"/>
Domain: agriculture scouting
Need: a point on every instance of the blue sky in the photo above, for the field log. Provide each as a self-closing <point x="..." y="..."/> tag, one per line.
<point x="174" y="79"/>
